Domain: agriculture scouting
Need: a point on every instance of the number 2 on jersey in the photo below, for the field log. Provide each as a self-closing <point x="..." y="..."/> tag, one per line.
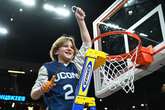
<point x="69" y="89"/>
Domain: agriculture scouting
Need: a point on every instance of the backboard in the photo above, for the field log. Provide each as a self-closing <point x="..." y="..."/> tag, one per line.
<point x="143" y="17"/>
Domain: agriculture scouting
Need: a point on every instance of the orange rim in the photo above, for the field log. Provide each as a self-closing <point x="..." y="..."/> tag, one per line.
<point x="124" y="55"/>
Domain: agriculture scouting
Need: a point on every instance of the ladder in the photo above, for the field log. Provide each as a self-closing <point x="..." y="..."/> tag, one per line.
<point x="93" y="59"/>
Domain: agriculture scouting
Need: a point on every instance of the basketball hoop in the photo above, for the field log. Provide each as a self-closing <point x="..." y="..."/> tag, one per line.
<point x="118" y="71"/>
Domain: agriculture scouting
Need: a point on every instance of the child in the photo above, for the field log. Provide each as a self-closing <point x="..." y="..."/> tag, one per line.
<point x="57" y="80"/>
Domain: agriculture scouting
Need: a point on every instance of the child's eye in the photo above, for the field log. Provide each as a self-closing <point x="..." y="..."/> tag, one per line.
<point x="65" y="46"/>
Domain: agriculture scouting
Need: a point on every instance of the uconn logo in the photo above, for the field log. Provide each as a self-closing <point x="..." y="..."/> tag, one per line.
<point x="65" y="75"/>
<point x="87" y="76"/>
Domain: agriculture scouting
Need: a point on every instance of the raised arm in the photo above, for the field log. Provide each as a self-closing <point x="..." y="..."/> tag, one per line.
<point x="80" y="16"/>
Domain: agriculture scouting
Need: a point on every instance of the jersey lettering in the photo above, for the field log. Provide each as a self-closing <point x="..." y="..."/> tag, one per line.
<point x="65" y="75"/>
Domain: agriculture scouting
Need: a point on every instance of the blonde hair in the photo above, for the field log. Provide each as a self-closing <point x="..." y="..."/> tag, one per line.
<point x="59" y="43"/>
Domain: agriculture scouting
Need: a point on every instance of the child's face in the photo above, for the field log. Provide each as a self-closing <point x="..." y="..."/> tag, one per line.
<point x="66" y="52"/>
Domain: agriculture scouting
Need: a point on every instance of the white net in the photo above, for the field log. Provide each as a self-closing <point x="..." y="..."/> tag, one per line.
<point x="118" y="72"/>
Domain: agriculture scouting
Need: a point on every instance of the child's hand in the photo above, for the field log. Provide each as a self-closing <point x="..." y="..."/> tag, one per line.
<point x="48" y="85"/>
<point x="79" y="13"/>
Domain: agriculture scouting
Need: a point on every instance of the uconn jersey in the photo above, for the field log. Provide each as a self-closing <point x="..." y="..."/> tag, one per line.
<point x="61" y="97"/>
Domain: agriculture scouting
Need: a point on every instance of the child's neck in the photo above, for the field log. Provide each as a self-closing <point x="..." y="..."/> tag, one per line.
<point x="64" y="62"/>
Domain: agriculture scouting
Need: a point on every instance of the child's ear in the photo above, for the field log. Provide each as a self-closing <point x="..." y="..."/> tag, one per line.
<point x="56" y="53"/>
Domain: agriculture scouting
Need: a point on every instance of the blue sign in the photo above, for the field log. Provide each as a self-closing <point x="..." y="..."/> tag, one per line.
<point x="12" y="98"/>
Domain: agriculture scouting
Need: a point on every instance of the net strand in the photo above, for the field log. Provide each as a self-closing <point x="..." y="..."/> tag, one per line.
<point x="117" y="74"/>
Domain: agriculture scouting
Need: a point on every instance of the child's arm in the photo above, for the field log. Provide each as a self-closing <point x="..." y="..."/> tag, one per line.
<point x="80" y="16"/>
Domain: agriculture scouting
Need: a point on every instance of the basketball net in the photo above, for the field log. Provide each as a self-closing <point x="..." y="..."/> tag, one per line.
<point x="118" y="71"/>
